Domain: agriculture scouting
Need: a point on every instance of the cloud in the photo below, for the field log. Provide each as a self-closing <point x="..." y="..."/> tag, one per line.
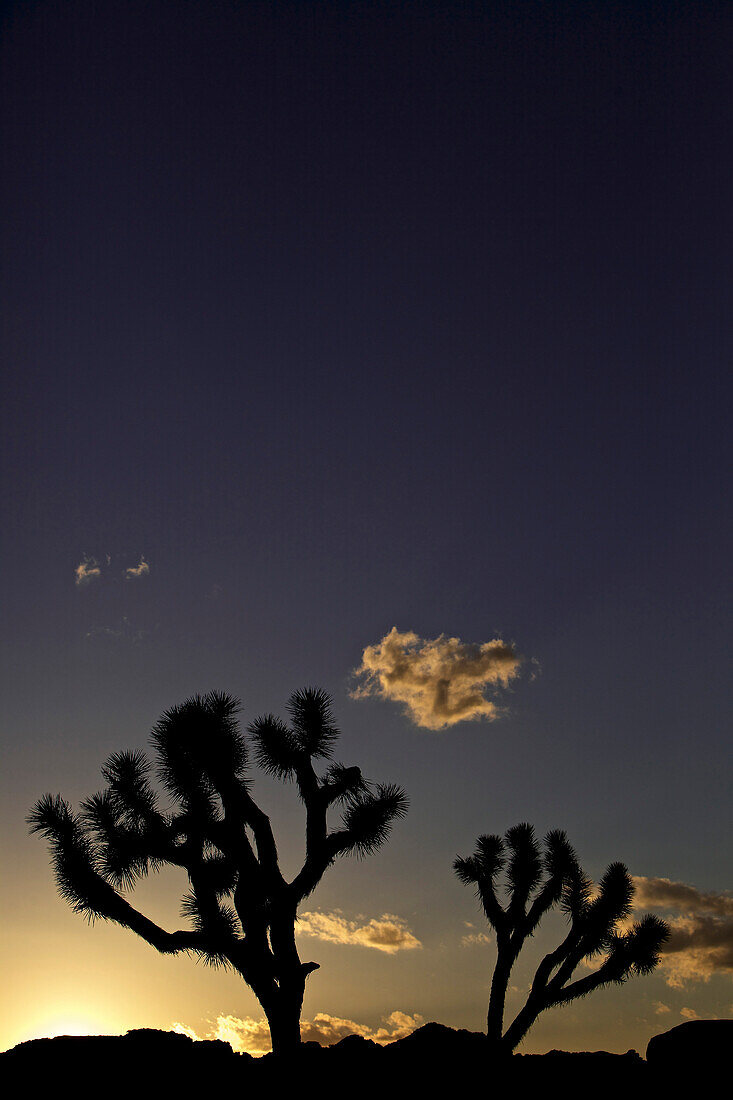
<point x="689" y="1013"/>
<point x="386" y="933"/>
<point x="441" y="681"/>
<point x="701" y="939"/>
<point x="245" y="1035"/>
<point x="661" y="1008"/>
<point x="662" y="893"/>
<point x="471" y="939"/>
<point x="326" y="1029"/>
<point x="90" y="569"/>
<point x="252" y="1036"/>
<point x="181" y="1029"/>
<point x="140" y="570"/>
<point x="87" y="570"/>
<point x="123" y="630"/>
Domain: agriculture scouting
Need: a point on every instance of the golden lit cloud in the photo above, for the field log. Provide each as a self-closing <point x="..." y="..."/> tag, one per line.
<point x="440" y="681"/>
<point x="326" y="1030"/>
<point x="140" y="570"/>
<point x="87" y="570"/>
<point x="662" y="893"/>
<point x="386" y="933"/>
<point x="701" y="939"/>
<point x="250" y="1036"/>
<point x="90" y="569"/>
<point x="472" y="939"/>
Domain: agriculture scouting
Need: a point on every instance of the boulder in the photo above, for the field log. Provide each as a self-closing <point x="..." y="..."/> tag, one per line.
<point x="697" y="1043"/>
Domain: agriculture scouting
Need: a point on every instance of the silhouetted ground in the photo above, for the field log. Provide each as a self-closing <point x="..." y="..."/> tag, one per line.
<point x="434" y="1060"/>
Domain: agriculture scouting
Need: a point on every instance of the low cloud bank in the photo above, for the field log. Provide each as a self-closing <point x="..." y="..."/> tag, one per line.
<point x="701" y="940"/>
<point x="386" y="933"/>
<point x="249" y="1036"/>
<point x="440" y="681"/>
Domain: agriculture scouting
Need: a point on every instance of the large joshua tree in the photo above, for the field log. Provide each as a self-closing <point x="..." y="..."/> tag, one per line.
<point x="242" y="911"/>
<point x="535" y="882"/>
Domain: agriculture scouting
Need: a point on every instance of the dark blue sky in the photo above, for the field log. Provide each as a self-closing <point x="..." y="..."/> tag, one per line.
<point x="354" y="315"/>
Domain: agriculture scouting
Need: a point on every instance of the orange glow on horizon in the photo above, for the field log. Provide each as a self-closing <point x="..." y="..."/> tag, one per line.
<point x="64" y="1020"/>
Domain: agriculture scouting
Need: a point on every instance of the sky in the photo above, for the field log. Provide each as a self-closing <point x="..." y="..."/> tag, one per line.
<point x="345" y="334"/>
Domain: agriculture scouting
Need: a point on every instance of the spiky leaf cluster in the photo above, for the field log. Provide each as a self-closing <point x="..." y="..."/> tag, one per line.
<point x="369" y="816"/>
<point x="75" y="858"/>
<point x="200" y="750"/>
<point x="284" y="750"/>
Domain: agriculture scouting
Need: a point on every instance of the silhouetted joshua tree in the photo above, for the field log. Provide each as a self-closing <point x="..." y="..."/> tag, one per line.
<point x="242" y="911"/>
<point x="535" y="882"/>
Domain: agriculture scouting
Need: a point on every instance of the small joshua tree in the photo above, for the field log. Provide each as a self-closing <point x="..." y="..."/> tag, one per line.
<point x="241" y="909"/>
<point x="534" y="883"/>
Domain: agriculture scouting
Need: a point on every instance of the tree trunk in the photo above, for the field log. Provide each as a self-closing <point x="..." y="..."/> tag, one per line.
<point x="284" y="1022"/>
<point x="497" y="997"/>
<point x="523" y="1022"/>
<point x="283" y="1016"/>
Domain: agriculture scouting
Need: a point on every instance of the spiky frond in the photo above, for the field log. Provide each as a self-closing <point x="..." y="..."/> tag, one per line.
<point x="74" y="858"/>
<point x="490" y="854"/>
<point x="559" y="859"/>
<point x="467" y="870"/>
<point x="311" y="717"/>
<point x="480" y="870"/>
<point x="576" y="893"/>
<point x="616" y="893"/>
<point x="485" y="863"/>
<point x="277" y="750"/>
<point x="368" y="819"/>
<point x="343" y="784"/>
<point x="561" y="868"/>
<point x="601" y="915"/>
<point x="215" y="920"/>
<point x="199" y="747"/>
<point x="647" y="936"/>
<point x="124" y="853"/>
<point x="524" y="866"/>
<point x="101" y="814"/>
<point x="127" y="775"/>
<point x="637" y="951"/>
<point x="218" y="923"/>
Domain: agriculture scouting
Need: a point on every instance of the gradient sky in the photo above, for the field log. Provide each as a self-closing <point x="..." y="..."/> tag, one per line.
<point x="351" y="316"/>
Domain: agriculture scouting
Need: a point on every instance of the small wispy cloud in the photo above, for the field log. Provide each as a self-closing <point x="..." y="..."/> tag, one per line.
<point x="140" y="570"/>
<point x="86" y="571"/>
<point x="249" y="1036"/>
<point x="123" y="630"/>
<point x="91" y="568"/>
<point x="472" y="939"/>
<point x="386" y="933"/>
<point x="440" y="681"/>
<point x="701" y="940"/>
